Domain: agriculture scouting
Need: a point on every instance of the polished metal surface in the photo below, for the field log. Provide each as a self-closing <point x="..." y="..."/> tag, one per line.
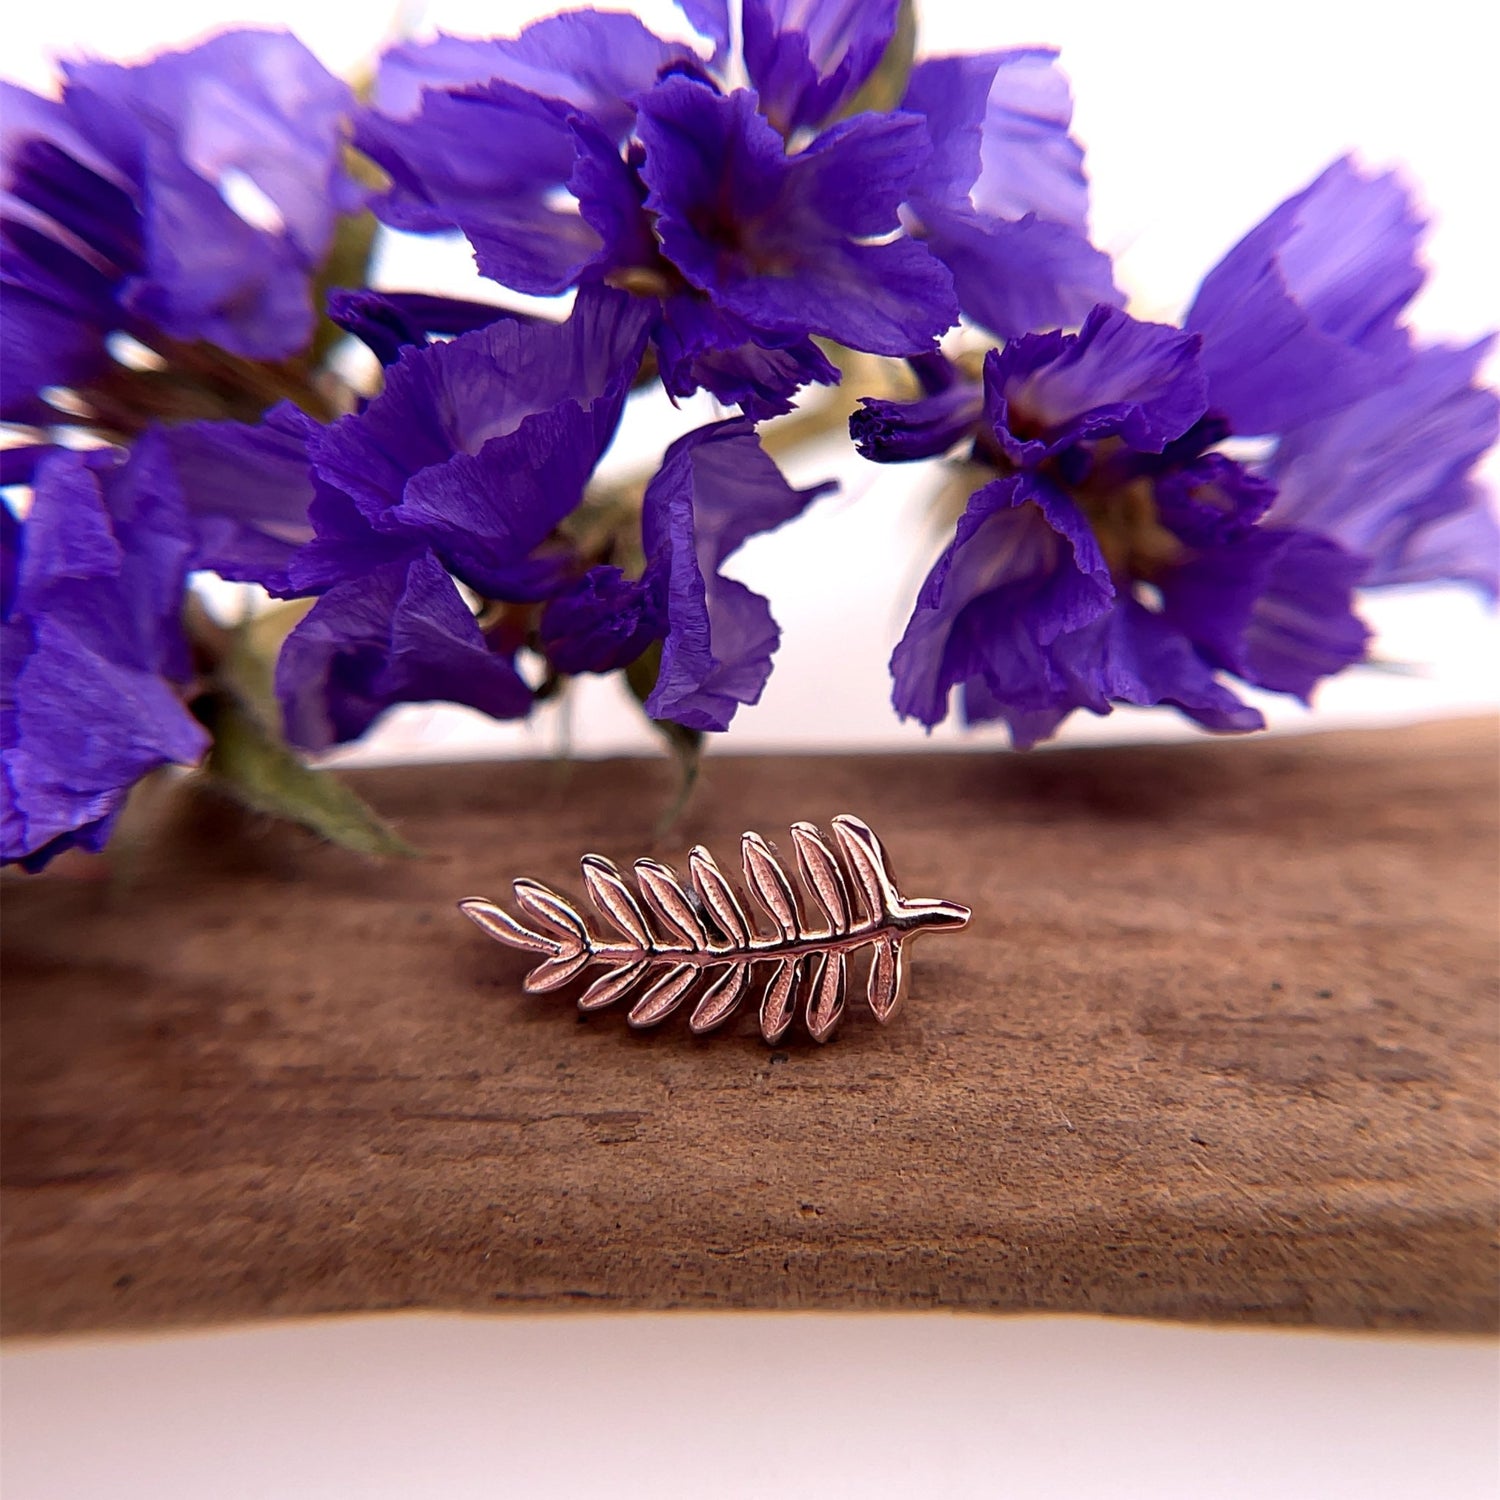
<point x="673" y="939"/>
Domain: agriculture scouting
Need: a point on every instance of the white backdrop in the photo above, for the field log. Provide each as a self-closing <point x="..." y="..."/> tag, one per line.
<point x="1198" y="118"/>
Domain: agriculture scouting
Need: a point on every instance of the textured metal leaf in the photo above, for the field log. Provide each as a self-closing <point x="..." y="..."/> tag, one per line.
<point x="721" y="998"/>
<point x="821" y="873"/>
<point x="719" y="897"/>
<point x="608" y="988"/>
<point x="676" y="939"/>
<point x="667" y="899"/>
<point x="552" y="911"/>
<point x="664" y="996"/>
<point x="887" y="982"/>
<point x="504" y="928"/>
<point x="615" y="899"/>
<point x="771" y="885"/>
<point x="779" y="1004"/>
<point x="826" y="991"/>
<point x="866" y="858"/>
<point x="554" y="973"/>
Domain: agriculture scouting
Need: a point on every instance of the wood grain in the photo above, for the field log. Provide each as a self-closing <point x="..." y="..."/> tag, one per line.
<point x="1220" y="1043"/>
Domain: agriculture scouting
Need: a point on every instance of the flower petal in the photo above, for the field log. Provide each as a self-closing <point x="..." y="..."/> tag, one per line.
<point x="593" y="61"/>
<point x="489" y="161"/>
<point x="807" y="58"/>
<point x="387" y="322"/>
<point x="703" y="347"/>
<point x="999" y="124"/>
<point x="478" y="447"/>
<point x="1299" y="318"/>
<point x="1275" y="607"/>
<point x="1018" y="276"/>
<point x="400" y="634"/>
<point x="715" y="488"/>
<point x="888" y="432"/>
<point x="1463" y="547"/>
<point x="1377" y="475"/>
<point x="251" y="109"/>
<point x="1133" y="655"/>
<point x="1116" y="377"/>
<point x="1023" y="570"/>
<point x="80" y="730"/>
<point x="247" y="491"/>
<point x="92" y="633"/>
<point x="600" y="624"/>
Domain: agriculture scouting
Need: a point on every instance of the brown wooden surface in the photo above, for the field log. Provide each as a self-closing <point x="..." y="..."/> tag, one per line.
<point x="1221" y="1043"/>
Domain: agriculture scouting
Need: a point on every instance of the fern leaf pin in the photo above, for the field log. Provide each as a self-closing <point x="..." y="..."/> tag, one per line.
<point x="663" y="942"/>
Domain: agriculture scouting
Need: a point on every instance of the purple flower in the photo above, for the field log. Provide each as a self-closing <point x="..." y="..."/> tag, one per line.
<point x="458" y="473"/>
<point x="753" y="218"/>
<point x="245" y="492"/>
<point x="601" y="623"/>
<point x="1115" y="557"/>
<point x="117" y="208"/>
<point x="785" y="242"/>
<point x="90" y="599"/>
<point x="462" y="472"/>
<point x="1118" y="555"/>
<point x="399" y="633"/>
<point x="715" y="489"/>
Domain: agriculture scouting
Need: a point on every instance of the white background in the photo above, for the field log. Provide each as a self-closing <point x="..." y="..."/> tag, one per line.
<point x="1199" y="118"/>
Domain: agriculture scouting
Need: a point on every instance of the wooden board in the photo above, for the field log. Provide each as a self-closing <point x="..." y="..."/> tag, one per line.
<point x="1220" y="1043"/>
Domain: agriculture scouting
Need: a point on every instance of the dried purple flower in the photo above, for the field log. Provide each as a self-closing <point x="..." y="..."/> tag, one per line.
<point x="117" y="208"/>
<point x="90" y="599"/>
<point x="1118" y="556"/>
<point x="754" y="218"/>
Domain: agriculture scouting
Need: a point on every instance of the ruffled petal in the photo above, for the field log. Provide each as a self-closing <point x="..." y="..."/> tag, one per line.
<point x="1015" y="276"/>
<point x="807" y="58"/>
<point x="1274" y="607"/>
<point x="1116" y="377"/>
<point x="249" y="109"/>
<point x="1463" y="547"/>
<point x="106" y="550"/>
<point x="81" y="730"/>
<point x="889" y="432"/>
<point x="703" y="347"/>
<point x="491" y="162"/>
<point x="601" y="623"/>
<point x="1023" y="570"/>
<point x="92" y="637"/>
<point x="1377" y="475"/>
<point x="1300" y="318"/>
<point x="595" y="62"/>
<point x="999" y="123"/>
<point x="247" y="491"/>
<point x="400" y="634"/>
<point x="1211" y="499"/>
<point x="715" y="488"/>
<point x="1132" y="655"/>
<point x="481" y="445"/>
<point x="388" y="322"/>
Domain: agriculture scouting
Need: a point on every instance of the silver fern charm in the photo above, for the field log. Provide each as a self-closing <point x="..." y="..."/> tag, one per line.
<point x="672" y="940"/>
